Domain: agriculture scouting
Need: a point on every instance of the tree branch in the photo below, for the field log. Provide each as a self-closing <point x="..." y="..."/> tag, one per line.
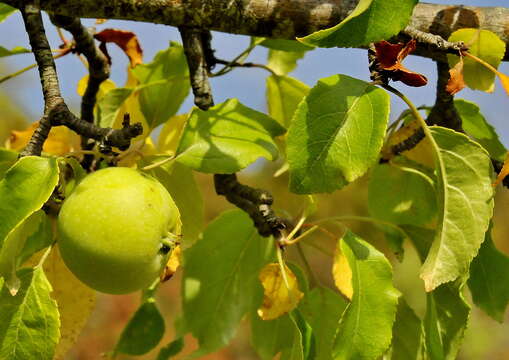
<point x="255" y="202"/>
<point x="443" y="112"/>
<point x="284" y="19"/>
<point x="196" y="44"/>
<point x="98" y="66"/>
<point x="56" y="111"/>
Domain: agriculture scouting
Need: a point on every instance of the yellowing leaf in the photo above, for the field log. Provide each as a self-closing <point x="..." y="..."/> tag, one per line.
<point x="485" y="45"/>
<point x="399" y="138"/>
<point x="422" y="153"/>
<point x="75" y="301"/>
<point x="278" y="297"/>
<point x="170" y="134"/>
<point x="342" y="274"/>
<point x="173" y="264"/>
<point x="137" y="151"/>
<point x="105" y="86"/>
<point x="503" y="172"/>
<point x="60" y="140"/>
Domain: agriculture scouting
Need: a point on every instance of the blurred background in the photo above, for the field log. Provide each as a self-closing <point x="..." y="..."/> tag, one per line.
<point x="21" y="102"/>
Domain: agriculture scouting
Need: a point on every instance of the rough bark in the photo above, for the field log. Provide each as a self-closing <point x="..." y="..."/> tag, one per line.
<point x="274" y="18"/>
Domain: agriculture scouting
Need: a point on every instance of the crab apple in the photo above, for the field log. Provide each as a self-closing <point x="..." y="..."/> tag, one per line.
<point x="116" y="230"/>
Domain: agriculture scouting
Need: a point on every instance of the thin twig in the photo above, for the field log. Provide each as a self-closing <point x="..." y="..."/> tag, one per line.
<point x="246" y="65"/>
<point x="435" y="41"/>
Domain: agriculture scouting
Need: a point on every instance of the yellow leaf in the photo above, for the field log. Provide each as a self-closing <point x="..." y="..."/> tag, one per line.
<point x="342" y="274"/>
<point x="138" y="150"/>
<point x="399" y="137"/>
<point x="105" y="86"/>
<point x="173" y="264"/>
<point x="75" y="301"/>
<point x="503" y="172"/>
<point x="504" y="79"/>
<point x="278" y="298"/>
<point x="60" y="140"/>
<point x="170" y="134"/>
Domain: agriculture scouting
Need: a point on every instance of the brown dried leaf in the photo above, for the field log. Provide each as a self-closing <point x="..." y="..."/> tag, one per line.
<point x="279" y="298"/>
<point x="456" y="82"/>
<point x="126" y="40"/>
<point x="390" y="56"/>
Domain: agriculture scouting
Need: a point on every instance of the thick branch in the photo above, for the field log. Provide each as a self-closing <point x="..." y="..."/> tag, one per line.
<point x="196" y="42"/>
<point x="284" y="19"/>
<point x="255" y="202"/>
<point x="98" y="66"/>
<point x="443" y="112"/>
<point x="56" y="111"/>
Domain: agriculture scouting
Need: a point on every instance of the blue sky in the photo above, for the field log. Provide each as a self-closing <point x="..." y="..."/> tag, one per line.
<point x="248" y="85"/>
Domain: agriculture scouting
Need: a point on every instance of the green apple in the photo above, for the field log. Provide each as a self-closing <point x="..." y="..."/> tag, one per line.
<point x="116" y="230"/>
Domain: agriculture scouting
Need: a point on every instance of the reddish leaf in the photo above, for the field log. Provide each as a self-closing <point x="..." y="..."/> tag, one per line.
<point x="126" y="40"/>
<point x="389" y="58"/>
<point x="456" y="82"/>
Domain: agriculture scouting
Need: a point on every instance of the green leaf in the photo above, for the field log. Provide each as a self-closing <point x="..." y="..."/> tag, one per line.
<point x="286" y="45"/>
<point x="407" y="334"/>
<point x="172" y="349"/>
<point x="7" y="159"/>
<point x="475" y="125"/>
<point x="284" y="94"/>
<point x="271" y="337"/>
<point x="370" y="21"/>
<point x="29" y="323"/>
<point x="24" y="189"/>
<point x="487" y="46"/>
<point x="227" y="138"/>
<point x="143" y="332"/>
<point x="445" y="322"/>
<point x="365" y="329"/>
<point x="401" y="195"/>
<point x="164" y="84"/>
<point x="336" y="134"/>
<point x="180" y="183"/>
<point x="6" y="11"/>
<point x="421" y="238"/>
<point x="322" y="309"/>
<point x="110" y="104"/>
<point x="40" y="239"/>
<point x="489" y="279"/>
<point x="220" y="282"/>
<point x="283" y="62"/>
<point x="14" y="51"/>
<point x="307" y="335"/>
<point x="12" y="247"/>
<point x="465" y="206"/>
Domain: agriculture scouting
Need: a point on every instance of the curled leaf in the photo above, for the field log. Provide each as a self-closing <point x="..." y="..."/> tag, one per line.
<point x="456" y="81"/>
<point x="389" y="58"/>
<point x="126" y="40"/>
<point x="172" y="265"/>
<point x="279" y="297"/>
